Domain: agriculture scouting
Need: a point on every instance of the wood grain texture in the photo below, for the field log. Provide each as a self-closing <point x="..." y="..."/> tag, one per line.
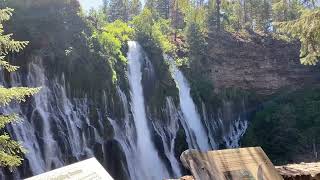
<point x="232" y="164"/>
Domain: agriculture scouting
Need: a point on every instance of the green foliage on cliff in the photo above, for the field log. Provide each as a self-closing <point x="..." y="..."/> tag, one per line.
<point x="10" y="150"/>
<point x="307" y="30"/>
<point x="113" y="37"/>
<point x="196" y="40"/>
<point x="287" y="128"/>
<point x="152" y="30"/>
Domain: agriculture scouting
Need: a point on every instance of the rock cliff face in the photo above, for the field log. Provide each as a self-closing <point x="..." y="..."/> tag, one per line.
<point x="260" y="63"/>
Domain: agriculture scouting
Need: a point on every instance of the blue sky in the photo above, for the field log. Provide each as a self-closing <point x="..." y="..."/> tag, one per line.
<point x="88" y="4"/>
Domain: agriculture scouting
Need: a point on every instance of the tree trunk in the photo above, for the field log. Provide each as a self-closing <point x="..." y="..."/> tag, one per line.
<point x="245" y="12"/>
<point x="218" y="2"/>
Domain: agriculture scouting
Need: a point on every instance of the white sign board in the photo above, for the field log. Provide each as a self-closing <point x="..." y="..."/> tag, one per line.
<point x="89" y="169"/>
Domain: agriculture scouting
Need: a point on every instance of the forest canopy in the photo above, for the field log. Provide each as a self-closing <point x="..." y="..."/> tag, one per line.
<point x="160" y="20"/>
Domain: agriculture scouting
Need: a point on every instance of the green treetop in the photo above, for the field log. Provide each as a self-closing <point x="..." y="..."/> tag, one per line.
<point x="113" y="37"/>
<point x="307" y="30"/>
<point x="10" y="150"/>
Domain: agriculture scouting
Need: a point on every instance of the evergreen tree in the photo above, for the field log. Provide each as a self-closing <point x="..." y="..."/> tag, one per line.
<point x="307" y="30"/>
<point x="134" y="8"/>
<point x="218" y="2"/>
<point x="264" y="20"/>
<point x="163" y="8"/>
<point x="160" y="8"/>
<point x="258" y="14"/>
<point x="105" y="6"/>
<point x="232" y="16"/>
<point x="151" y="6"/>
<point x="10" y="150"/>
<point x="118" y="10"/>
<point x="178" y="11"/>
<point x="285" y="10"/>
<point x="97" y="18"/>
<point x="196" y="40"/>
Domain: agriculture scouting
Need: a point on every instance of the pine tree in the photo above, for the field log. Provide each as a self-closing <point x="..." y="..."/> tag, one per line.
<point x="118" y="10"/>
<point x="105" y="6"/>
<point x="134" y="8"/>
<point x="160" y="8"/>
<point x="178" y="9"/>
<point x="163" y="7"/>
<point x="285" y="10"/>
<point x="218" y="2"/>
<point x="10" y="150"/>
<point x="307" y="30"/>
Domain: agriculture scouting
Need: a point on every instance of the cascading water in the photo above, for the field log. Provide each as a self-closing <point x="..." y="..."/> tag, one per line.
<point x="238" y="129"/>
<point x="58" y="130"/>
<point x="168" y="134"/>
<point x="193" y="126"/>
<point x="149" y="160"/>
<point x="125" y="134"/>
<point x="210" y="125"/>
<point x="51" y="131"/>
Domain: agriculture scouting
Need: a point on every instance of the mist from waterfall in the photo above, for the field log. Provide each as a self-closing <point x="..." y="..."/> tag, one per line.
<point x="149" y="160"/>
<point x="192" y="123"/>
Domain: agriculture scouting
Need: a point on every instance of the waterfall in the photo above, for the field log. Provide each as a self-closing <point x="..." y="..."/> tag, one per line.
<point x="52" y="127"/>
<point x="210" y="125"/>
<point x="58" y="130"/>
<point x="149" y="160"/>
<point x="125" y="134"/>
<point x="36" y="77"/>
<point x="168" y="133"/>
<point x="238" y="129"/>
<point x="192" y="123"/>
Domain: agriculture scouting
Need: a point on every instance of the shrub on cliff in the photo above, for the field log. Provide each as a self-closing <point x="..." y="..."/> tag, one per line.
<point x="152" y="30"/>
<point x="113" y="38"/>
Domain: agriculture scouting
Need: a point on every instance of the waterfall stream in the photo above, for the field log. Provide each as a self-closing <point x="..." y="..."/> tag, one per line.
<point x="168" y="133"/>
<point x="148" y="157"/>
<point x="198" y="137"/>
<point x="125" y="134"/>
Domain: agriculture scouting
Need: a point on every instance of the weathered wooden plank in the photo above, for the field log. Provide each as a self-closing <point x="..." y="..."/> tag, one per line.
<point x="302" y="171"/>
<point x="231" y="164"/>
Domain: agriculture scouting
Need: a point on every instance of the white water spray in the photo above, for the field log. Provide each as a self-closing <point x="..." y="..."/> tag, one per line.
<point x="192" y="121"/>
<point x="168" y="132"/>
<point x="150" y="161"/>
